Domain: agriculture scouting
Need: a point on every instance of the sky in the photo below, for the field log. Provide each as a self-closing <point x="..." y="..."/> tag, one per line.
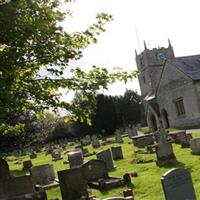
<point x="135" y="21"/>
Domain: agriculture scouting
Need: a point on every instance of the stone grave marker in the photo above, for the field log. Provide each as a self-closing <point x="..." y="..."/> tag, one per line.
<point x="117" y="153"/>
<point x="27" y="164"/>
<point x="164" y="153"/>
<point x="118" y="137"/>
<point x="75" y="158"/>
<point x="132" y="131"/>
<point x="42" y="174"/>
<point x="95" y="142"/>
<point x="4" y="170"/>
<point x="195" y="145"/>
<point x="56" y="155"/>
<point x="106" y="156"/>
<point x="94" y="170"/>
<point x="33" y="155"/>
<point x="20" y="188"/>
<point x="185" y="141"/>
<point x="13" y="188"/>
<point x="72" y="184"/>
<point x="177" y="185"/>
<point x="88" y="138"/>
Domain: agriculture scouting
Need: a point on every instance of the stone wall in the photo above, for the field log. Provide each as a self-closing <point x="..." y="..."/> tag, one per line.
<point x="175" y="84"/>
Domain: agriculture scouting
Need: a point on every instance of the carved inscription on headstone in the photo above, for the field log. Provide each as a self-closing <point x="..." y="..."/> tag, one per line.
<point x="177" y="185"/>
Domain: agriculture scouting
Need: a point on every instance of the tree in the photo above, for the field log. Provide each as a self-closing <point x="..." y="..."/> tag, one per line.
<point x="105" y="115"/>
<point x="32" y="38"/>
<point x="129" y="108"/>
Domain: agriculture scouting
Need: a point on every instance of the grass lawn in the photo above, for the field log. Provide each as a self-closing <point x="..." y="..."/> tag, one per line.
<point x="147" y="186"/>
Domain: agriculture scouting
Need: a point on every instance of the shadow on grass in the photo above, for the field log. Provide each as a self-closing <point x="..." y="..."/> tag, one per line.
<point x="177" y="164"/>
<point x="18" y="172"/>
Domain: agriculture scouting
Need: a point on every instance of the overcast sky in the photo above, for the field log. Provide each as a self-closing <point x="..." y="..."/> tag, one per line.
<point x="155" y="21"/>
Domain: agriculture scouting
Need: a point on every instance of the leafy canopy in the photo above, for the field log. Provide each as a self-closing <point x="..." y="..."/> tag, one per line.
<point x="31" y="39"/>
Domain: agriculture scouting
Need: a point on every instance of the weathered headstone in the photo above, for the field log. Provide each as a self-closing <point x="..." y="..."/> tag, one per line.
<point x="106" y="156"/>
<point x="4" y="170"/>
<point x="118" y="137"/>
<point x="132" y="131"/>
<point x="185" y="141"/>
<point x="33" y="155"/>
<point x="75" y="158"/>
<point x="164" y="153"/>
<point x="72" y="184"/>
<point x="20" y="188"/>
<point x="95" y="142"/>
<point x="94" y="170"/>
<point x="56" y="155"/>
<point x="27" y="164"/>
<point x="42" y="174"/>
<point x="177" y="185"/>
<point x="143" y="140"/>
<point x="117" y="153"/>
<point x="195" y="145"/>
<point x="88" y="139"/>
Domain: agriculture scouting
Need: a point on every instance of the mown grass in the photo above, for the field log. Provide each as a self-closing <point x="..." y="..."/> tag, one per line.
<point x="147" y="186"/>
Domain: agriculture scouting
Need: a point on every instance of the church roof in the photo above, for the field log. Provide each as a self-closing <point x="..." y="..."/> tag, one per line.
<point x="189" y="65"/>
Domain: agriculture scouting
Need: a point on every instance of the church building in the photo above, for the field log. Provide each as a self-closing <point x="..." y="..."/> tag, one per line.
<point x="171" y="85"/>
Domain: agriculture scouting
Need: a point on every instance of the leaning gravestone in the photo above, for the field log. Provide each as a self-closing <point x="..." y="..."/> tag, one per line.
<point x="164" y="153"/>
<point x="106" y="156"/>
<point x="72" y="184"/>
<point x="195" y="145"/>
<point x="177" y="185"/>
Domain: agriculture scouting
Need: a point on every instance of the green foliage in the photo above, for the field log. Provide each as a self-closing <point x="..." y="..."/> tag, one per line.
<point x="31" y="39"/>
<point x="11" y="130"/>
<point x="105" y="115"/>
<point x="129" y="108"/>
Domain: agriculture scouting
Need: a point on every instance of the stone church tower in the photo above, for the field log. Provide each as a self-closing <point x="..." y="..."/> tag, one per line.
<point x="150" y="64"/>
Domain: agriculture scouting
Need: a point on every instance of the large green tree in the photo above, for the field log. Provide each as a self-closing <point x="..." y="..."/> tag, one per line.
<point x="31" y="39"/>
<point x="129" y="108"/>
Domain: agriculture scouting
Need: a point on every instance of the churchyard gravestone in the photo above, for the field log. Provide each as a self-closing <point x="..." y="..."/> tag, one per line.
<point x="94" y="170"/>
<point x="49" y="150"/>
<point x="20" y="188"/>
<point x="143" y="140"/>
<point x="13" y="188"/>
<point x="95" y="142"/>
<point x="195" y="145"/>
<point x="185" y="141"/>
<point x="118" y="137"/>
<point x="42" y="174"/>
<point x="56" y="155"/>
<point x="177" y="185"/>
<point x="4" y="170"/>
<point x="27" y="164"/>
<point x="75" y="158"/>
<point x="117" y="153"/>
<point x="132" y="131"/>
<point x="88" y="139"/>
<point x="33" y="155"/>
<point x="72" y="184"/>
<point x="106" y="156"/>
<point x="164" y="153"/>
<point x="96" y="175"/>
